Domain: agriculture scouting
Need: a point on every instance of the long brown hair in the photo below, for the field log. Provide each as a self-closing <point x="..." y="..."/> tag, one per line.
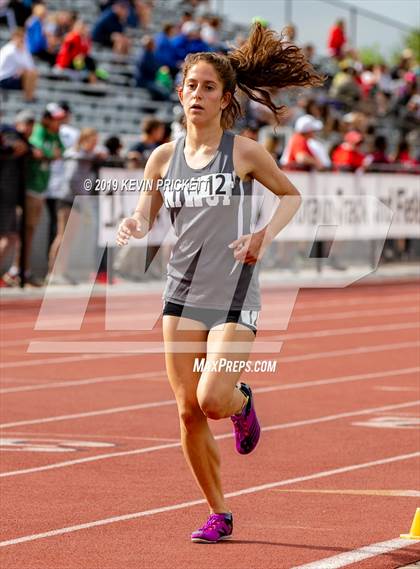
<point x="264" y="61"/>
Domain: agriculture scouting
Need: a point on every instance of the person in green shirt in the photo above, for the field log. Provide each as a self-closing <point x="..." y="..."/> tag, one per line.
<point x="45" y="138"/>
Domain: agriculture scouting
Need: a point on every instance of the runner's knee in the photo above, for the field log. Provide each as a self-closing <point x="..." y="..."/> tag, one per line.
<point x="190" y="415"/>
<point x="211" y="404"/>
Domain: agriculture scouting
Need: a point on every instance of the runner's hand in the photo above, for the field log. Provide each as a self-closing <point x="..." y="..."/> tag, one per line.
<point x="130" y="227"/>
<point x="249" y="248"/>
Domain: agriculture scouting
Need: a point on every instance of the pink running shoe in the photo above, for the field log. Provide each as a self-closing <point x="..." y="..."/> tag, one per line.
<point x="247" y="428"/>
<point x="216" y="528"/>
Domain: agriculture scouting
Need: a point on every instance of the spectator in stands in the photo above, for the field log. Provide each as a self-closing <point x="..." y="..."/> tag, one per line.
<point x="250" y="130"/>
<point x="309" y="51"/>
<point x="7" y="14"/>
<point x="313" y="108"/>
<point x="289" y="33"/>
<point x="113" y="147"/>
<point x="187" y="16"/>
<point x="272" y="145"/>
<point x="368" y="81"/>
<point x="345" y="86"/>
<point x="188" y="41"/>
<point x="404" y="156"/>
<point x="378" y="156"/>
<point x="17" y="68"/>
<point x="210" y="33"/>
<point x="12" y="182"/>
<point x="298" y="154"/>
<point x="146" y="73"/>
<point x="197" y="7"/>
<point x="61" y="23"/>
<point x="74" y="51"/>
<point x="330" y="133"/>
<point x="356" y="120"/>
<point x="384" y="80"/>
<point x="69" y="134"/>
<point x="143" y="9"/>
<point x="139" y="12"/>
<point x="404" y="64"/>
<point x="47" y="146"/>
<point x="80" y="165"/>
<point x="347" y="155"/>
<point x="104" y="4"/>
<point x="40" y="43"/>
<point x="163" y="48"/>
<point x="14" y="148"/>
<point x="153" y="131"/>
<point x="55" y="190"/>
<point x="22" y="10"/>
<point x="259" y="114"/>
<point x="410" y="113"/>
<point x="178" y="122"/>
<point x="109" y="28"/>
<point x="337" y="39"/>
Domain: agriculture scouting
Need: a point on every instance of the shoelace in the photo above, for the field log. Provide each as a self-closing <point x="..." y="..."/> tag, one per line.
<point x="240" y="425"/>
<point x="211" y="522"/>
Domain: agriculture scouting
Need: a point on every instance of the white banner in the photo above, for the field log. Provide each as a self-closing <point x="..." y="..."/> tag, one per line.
<point x="341" y="206"/>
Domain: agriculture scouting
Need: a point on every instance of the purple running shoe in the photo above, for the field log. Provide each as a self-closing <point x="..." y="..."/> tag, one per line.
<point x="247" y="428"/>
<point x="216" y="528"/>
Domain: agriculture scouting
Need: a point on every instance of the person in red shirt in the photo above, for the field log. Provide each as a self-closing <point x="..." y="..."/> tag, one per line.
<point x="337" y="39"/>
<point x="403" y="156"/>
<point x="347" y="156"/>
<point x="298" y="154"/>
<point x="74" y="51"/>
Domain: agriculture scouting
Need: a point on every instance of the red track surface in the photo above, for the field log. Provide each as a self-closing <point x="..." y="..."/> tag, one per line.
<point x="355" y="350"/>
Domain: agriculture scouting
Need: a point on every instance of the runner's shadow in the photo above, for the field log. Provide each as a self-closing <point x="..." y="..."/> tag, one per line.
<point x="400" y="556"/>
<point x="279" y="543"/>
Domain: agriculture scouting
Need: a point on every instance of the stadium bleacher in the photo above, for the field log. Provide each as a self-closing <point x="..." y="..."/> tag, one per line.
<point x="114" y="107"/>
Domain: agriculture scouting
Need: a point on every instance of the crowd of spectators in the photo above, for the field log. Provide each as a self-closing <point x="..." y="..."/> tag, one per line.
<point x="364" y="117"/>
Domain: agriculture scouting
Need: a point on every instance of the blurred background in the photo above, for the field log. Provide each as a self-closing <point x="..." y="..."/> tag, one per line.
<point x="88" y="90"/>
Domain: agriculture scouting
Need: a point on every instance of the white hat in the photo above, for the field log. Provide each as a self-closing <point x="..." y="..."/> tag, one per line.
<point x="190" y="28"/>
<point x="55" y="111"/>
<point x="308" y="123"/>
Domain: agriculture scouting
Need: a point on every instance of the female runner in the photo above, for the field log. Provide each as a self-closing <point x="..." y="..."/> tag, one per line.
<point x="211" y="305"/>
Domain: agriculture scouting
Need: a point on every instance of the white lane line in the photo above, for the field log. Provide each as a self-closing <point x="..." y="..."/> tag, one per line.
<point x="396" y="388"/>
<point x="348" y="351"/>
<point x="285" y="336"/>
<point x="361" y="300"/>
<point x="350" y="330"/>
<point x="268" y="389"/>
<point x="297" y="305"/>
<point x="281" y="387"/>
<point x="269" y="308"/>
<point x="350" y="557"/>
<point x="141" y="347"/>
<point x="35" y="435"/>
<point x="64" y="359"/>
<point x="356" y="314"/>
<point x="126" y="333"/>
<point x="81" y="335"/>
<point x="337" y="380"/>
<point x="109" y="411"/>
<point x="162" y="373"/>
<point x="143" y="376"/>
<point x="183" y="505"/>
<point x="229" y="435"/>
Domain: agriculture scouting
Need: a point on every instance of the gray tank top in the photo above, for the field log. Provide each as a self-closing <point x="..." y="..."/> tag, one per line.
<point x="209" y="208"/>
